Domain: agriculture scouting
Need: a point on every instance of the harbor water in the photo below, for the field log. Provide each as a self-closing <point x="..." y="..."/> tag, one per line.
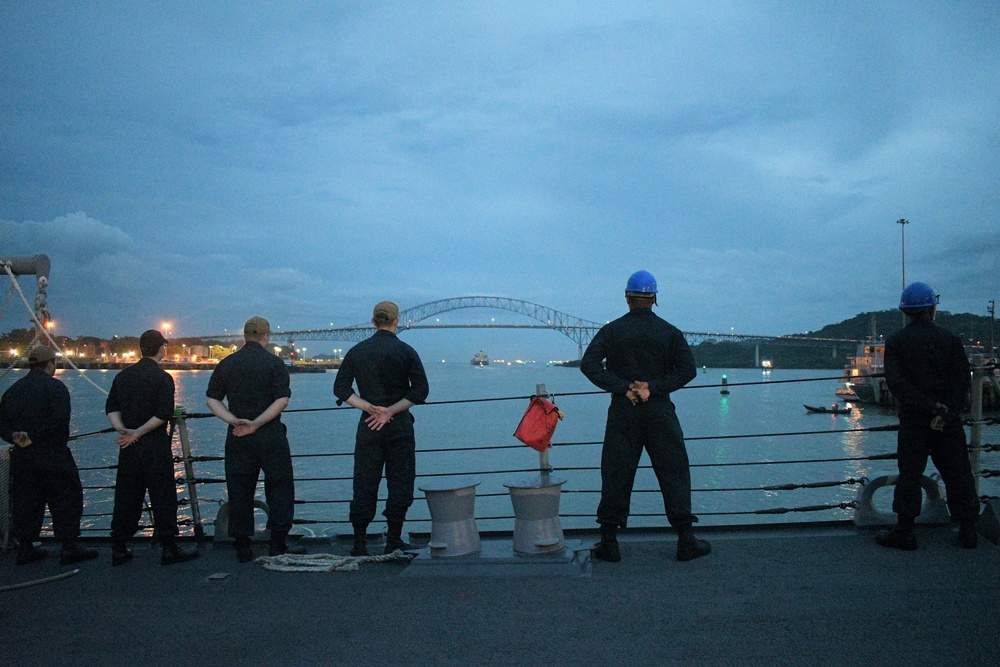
<point x="461" y="437"/>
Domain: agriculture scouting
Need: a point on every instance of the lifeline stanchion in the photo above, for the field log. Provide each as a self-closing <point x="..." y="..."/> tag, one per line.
<point x="976" y="430"/>
<point x="5" y="515"/>
<point x="182" y="430"/>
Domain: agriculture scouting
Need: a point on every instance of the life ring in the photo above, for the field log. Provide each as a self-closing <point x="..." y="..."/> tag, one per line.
<point x="933" y="510"/>
<point x="221" y="522"/>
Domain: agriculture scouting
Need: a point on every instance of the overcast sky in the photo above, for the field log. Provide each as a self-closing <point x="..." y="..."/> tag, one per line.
<point x="202" y="162"/>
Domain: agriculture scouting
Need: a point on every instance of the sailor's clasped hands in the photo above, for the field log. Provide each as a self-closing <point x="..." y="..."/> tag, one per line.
<point x="638" y="392"/>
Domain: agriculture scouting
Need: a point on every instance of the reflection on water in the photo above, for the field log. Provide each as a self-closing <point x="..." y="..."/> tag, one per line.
<point x="760" y="410"/>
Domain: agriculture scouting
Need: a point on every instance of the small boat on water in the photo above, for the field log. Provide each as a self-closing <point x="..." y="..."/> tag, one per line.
<point x="832" y="410"/>
<point x="480" y="359"/>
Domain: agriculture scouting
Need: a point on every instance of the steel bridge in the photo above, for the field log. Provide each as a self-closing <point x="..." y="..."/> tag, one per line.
<point x="577" y="329"/>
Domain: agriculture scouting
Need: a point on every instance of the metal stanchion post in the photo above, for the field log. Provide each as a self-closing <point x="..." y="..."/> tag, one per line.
<point x="976" y="430"/>
<point x="182" y="430"/>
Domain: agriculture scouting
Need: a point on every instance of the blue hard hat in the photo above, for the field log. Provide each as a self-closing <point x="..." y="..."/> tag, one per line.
<point x="641" y="282"/>
<point x="918" y="295"/>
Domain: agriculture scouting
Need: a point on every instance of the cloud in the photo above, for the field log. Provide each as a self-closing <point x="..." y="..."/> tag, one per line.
<point x="74" y="236"/>
<point x="305" y="162"/>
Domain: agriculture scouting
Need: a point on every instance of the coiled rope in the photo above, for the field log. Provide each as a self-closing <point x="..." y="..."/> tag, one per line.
<point x="326" y="562"/>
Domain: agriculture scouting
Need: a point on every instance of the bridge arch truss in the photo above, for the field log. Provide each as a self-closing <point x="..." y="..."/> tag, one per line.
<point x="577" y="329"/>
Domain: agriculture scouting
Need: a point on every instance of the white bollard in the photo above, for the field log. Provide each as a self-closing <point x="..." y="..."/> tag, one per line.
<point x="453" y="522"/>
<point x="537" y="529"/>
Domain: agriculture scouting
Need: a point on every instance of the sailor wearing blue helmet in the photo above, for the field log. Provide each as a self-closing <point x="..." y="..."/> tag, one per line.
<point x="927" y="371"/>
<point x="641" y="358"/>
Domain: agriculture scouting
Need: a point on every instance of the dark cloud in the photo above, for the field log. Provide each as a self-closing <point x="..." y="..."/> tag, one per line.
<point x="201" y="163"/>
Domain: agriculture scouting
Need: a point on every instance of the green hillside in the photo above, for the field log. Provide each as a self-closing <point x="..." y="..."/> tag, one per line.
<point x="973" y="329"/>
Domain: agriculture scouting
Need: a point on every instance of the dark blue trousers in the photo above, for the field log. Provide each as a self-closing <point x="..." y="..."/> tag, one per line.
<point x="394" y="450"/>
<point x="652" y="426"/>
<point x="145" y="465"/>
<point x="40" y="476"/>
<point x="266" y="450"/>
<point x="915" y="442"/>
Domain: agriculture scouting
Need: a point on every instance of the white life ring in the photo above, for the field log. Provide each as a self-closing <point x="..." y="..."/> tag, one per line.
<point x="933" y="510"/>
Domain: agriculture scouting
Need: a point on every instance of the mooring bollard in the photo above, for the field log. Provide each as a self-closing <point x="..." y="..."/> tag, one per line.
<point x="537" y="529"/>
<point x="453" y="522"/>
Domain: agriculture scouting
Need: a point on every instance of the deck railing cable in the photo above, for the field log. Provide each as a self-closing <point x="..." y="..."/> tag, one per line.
<point x="562" y="469"/>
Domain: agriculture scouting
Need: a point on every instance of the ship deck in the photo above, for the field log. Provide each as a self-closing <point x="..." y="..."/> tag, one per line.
<point x="802" y="594"/>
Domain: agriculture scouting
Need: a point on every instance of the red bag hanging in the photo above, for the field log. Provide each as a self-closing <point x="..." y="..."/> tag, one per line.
<point x="538" y="423"/>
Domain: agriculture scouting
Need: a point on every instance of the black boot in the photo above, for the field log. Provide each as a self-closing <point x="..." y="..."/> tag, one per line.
<point x="967" y="536"/>
<point x="360" y="547"/>
<point x="900" y="537"/>
<point x="74" y="553"/>
<point x="690" y="547"/>
<point x="27" y="552"/>
<point x="279" y="544"/>
<point x="120" y="554"/>
<point x="394" y="539"/>
<point x="172" y="554"/>
<point x="244" y="552"/>
<point x="607" y="549"/>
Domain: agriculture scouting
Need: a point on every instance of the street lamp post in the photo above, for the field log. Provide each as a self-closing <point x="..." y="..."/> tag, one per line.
<point x="991" y="309"/>
<point x="903" y="222"/>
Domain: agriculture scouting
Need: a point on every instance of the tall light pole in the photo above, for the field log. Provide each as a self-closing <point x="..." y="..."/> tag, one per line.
<point x="991" y="309"/>
<point x="902" y="222"/>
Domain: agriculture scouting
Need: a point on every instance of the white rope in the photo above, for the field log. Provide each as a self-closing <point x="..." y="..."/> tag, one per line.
<point x="325" y="562"/>
<point x="47" y="334"/>
<point x="46" y="580"/>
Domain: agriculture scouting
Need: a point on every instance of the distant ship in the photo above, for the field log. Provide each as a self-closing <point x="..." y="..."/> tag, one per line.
<point x="864" y="376"/>
<point x="480" y="359"/>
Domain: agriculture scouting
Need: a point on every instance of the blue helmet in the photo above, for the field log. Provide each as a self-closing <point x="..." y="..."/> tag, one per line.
<point x="918" y="295"/>
<point x="641" y="282"/>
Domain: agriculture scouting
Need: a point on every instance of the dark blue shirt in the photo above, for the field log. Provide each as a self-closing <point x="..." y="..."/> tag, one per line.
<point x="252" y="378"/>
<point x="141" y="391"/>
<point x="39" y="405"/>
<point x="639" y="347"/>
<point x="926" y="364"/>
<point x="386" y="369"/>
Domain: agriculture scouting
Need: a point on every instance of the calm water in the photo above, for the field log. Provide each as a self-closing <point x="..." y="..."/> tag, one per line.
<point x="769" y="408"/>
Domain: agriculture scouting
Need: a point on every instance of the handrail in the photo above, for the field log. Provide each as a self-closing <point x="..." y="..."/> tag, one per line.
<point x="192" y="480"/>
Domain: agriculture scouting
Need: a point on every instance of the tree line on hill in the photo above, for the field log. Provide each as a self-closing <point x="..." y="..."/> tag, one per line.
<point x="974" y="330"/>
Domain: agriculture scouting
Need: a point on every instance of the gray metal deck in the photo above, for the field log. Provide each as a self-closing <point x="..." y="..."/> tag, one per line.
<point x="816" y="595"/>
